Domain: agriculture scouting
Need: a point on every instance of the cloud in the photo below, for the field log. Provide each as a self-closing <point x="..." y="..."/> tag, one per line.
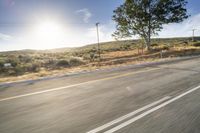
<point x="86" y="14"/>
<point x="5" y="37"/>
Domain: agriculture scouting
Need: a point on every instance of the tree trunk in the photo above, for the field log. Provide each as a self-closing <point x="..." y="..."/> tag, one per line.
<point x="147" y="43"/>
<point x="149" y="28"/>
<point x="149" y="37"/>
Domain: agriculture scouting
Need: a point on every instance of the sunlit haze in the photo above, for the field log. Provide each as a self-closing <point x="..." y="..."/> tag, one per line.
<point x="46" y="34"/>
<point x="47" y="24"/>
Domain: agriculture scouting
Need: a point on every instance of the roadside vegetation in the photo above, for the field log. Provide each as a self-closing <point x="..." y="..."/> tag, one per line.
<point x="17" y="65"/>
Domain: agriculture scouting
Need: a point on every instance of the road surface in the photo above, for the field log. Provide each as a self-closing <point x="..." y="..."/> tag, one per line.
<point x="155" y="98"/>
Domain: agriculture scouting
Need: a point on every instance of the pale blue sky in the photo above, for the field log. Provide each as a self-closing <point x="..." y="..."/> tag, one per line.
<point x="76" y="19"/>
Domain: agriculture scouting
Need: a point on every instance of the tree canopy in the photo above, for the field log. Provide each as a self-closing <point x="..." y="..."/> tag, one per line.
<point x="146" y="17"/>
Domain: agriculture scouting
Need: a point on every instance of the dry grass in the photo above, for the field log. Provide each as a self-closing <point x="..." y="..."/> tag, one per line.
<point x="88" y="67"/>
<point x="113" y="59"/>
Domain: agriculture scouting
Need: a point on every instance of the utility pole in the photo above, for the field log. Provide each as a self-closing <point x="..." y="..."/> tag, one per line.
<point x="193" y="30"/>
<point x="99" y="52"/>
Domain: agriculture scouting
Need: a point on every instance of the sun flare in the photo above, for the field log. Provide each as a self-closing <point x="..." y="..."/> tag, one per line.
<point x="48" y="30"/>
<point x="47" y="34"/>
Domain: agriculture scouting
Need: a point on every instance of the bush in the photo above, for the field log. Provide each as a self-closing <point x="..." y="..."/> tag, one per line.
<point x="154" y="45"/>
<point x="32" y="67"/>
<point x="185" y="42"/>
<point x="125" y="47"/>
<point x="92" y="54"/>
<point x="63" y="63"/>
<point x="196" y="44"/>
<point x="75" y="61"/>
<point x="1" y="64"/>
<point x="17" y="71"/>
<point x="87" y="57"/>
<point x="50" y="63"/>
<point x="113" y="49"/>
<point x="165" y="48"/>
<point x="25" y="59"/>
<point x="14" y="62"/>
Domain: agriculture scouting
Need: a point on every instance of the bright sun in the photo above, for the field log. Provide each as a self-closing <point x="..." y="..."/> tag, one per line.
<point x="48" y="30"/>
<point x="47" y="34"/>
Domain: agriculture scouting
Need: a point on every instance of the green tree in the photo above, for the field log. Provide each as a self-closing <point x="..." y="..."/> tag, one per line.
<point x="146" y="17"/>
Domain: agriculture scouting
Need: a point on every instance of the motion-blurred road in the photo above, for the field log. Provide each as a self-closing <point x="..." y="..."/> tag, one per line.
<point x="154" y="98"/>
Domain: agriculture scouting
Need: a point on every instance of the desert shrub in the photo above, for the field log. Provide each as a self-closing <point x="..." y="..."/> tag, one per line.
<point x="63" y="63"/>
<point x="93" y="53"/>
<point x="35" y="68"/>
<point x="196" y="44"/>
<point x="79" y="53"/>
<point x="160" y="48"/>
<point x="74" y="61"/>
<point x="1" y="64"/>
<point x="25" y="59"/>
<point x="125" y="47"/>
<point x="165" y="48"/>
<point x="32" y="67"/>
<point x="185" y="43"/>
<point x="113" y="49"/>
<point x="14" y="62"/>
<point x="50" y="62"/>
<point x="87" y="56"/>
<point x="154" y="44"/>
<point x="92" y="56"/>
<point x="18" y="70"/>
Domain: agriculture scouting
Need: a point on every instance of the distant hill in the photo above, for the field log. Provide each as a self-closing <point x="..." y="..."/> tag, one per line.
<point x="44" y="62"/>
<point x="104" y="45"/>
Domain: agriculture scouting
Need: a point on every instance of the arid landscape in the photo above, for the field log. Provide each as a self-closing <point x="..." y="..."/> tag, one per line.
<point x="32" y="64"/>
<point x="99" y="66"/>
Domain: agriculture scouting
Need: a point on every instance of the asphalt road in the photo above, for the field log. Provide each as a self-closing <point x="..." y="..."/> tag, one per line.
<point x="155" y="98"/>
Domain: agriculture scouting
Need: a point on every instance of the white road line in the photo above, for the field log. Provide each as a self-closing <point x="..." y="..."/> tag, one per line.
<point x="122" y="125"/>
<point x="128" y="115"/>
<point x="74" y="85"/>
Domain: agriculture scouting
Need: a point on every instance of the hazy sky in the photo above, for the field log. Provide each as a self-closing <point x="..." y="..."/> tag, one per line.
<point x="42" y="24"/>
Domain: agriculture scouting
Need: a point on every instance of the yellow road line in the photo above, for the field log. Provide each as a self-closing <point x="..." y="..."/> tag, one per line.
<point x="74" y="85"/>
